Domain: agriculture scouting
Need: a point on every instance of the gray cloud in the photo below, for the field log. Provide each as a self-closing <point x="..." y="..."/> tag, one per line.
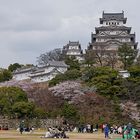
<point x="31" y="27"/>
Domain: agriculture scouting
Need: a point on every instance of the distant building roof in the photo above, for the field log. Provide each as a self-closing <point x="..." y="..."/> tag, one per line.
<point x="76" y="47"/>
<point x="55" y="64"/>
<point x="24" y="69"/>
<point x="113" y="16"/>
<point x="74" y="43"/>
<point x="35" y="70"/>
<point x="38" y="71"/>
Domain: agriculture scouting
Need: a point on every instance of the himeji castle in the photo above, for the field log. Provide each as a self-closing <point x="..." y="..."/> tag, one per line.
<point x="112" y="33"/>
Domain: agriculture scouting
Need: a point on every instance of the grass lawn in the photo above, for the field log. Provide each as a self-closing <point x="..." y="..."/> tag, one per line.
<point x="14" y="135"/>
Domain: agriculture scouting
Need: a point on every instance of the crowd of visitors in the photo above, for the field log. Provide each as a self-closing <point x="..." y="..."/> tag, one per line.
<point x="87" y="128"/>
<point x="55" y="133"/>
<point x="127" y="131"/>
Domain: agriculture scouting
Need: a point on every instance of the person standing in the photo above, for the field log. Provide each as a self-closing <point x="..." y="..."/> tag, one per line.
<point x="21" y="127"/>
<point x="106" y="131"/>
<point x="91" y="128"/>
<point x="129" y="130"/>
<point x="97" y="127"/>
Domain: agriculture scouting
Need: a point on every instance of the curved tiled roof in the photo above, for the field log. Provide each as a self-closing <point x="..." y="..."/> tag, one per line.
<point x="111" y="41"/>
<point x="104" y="28"/>
<point x="113" y="16"/>
<point x="55" y="64"/>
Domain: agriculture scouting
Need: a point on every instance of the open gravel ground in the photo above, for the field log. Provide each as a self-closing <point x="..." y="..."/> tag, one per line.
<point x="14" y="135"/>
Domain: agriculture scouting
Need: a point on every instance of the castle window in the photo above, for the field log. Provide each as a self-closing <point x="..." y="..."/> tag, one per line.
<point x="132" y="39"/>
<point x="94" y="39"/>
<point x="117" y="23"/>
<point x="106" y="23"/>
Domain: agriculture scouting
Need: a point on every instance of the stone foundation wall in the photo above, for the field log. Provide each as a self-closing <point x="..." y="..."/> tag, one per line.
<point x="36" y="123"/>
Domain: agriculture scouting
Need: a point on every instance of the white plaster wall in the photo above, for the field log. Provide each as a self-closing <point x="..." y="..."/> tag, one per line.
<point x="124" y="74"/>
<point x="48" y="69"/>
<point x="44" y="78"/>
<point x="73" y="47"/>
<point x="73" y="53"/>
<point x="21" y="76"/>
<point x="61" y="69"/>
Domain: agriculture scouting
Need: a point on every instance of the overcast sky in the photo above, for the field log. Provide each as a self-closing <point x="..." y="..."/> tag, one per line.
<point x="29" y="28"/>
